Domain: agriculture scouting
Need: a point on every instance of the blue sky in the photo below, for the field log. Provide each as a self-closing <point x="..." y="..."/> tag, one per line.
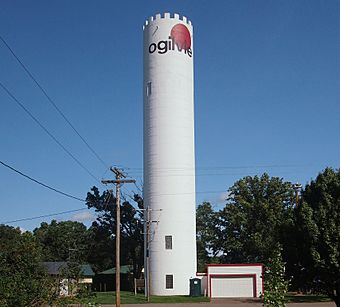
<point x="267" y="89"/>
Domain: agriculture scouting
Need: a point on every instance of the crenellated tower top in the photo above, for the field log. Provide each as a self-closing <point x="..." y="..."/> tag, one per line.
<point x="165" y="16"/>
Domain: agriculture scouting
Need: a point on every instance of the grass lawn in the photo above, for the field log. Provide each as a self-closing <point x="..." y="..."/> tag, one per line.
<point x="130" y="298"/>
<point x="302" y="298"/>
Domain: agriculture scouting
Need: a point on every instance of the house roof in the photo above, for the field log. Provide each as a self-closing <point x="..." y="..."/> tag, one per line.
<point x="124" y="269"/>
<point x="56" y="267"/>
<point x="86" y="270"/>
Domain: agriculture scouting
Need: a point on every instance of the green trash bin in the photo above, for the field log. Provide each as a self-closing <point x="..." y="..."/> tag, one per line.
<point x="195" y="287"/>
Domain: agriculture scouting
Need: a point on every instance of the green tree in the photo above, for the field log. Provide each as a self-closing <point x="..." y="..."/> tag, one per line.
<point x="105" y="226"/>
<point x="206" y="223"/>
<point x="318" y="221"/>
<point x="63" y="241"/>
<point x="257" y="215"/>
<point x="275" y="285"/>
<point x="23" y="282"/>
<point x="102" y="248"/>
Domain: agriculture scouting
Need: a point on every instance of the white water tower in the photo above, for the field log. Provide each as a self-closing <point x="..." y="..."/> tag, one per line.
<point x="169" y="156"/>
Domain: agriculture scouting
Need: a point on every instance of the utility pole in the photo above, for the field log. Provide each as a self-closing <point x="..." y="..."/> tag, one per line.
<point x="147" y="265"/>
<point x="147" y="239"/>
<point x="118" y="181"/>
<point x="297" y="187"/>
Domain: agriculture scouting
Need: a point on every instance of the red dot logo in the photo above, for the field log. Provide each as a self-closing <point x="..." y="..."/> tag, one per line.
<point x="181" y="36"/>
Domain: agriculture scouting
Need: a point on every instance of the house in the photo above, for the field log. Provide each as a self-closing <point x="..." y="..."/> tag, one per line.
<point x="106" y="280"/>
<point x="68" y="286"/>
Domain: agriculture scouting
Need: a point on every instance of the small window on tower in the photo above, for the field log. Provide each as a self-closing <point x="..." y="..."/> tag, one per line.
<point x="148" y="89"/>
<point x="169" y="281"/>
<point x="168" y="242"/>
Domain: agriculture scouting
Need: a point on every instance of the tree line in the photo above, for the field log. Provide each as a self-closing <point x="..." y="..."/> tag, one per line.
<point x="260" y="219"/>
<point x="23" y="278"/>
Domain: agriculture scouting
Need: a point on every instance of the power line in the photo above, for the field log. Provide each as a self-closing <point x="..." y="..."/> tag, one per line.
<point x="41" y="183"/>
<point x="215" y="167"/>
<point x="41" y="216"/>
<point x="138" y="188"/>
<point x="51" y="101"/>
<point x="71" y="211"/>
<point x="211" y="174"/>
<point x="127" y="193"/>
<point x="48" y="132"/>
<point x="189" y="193"/>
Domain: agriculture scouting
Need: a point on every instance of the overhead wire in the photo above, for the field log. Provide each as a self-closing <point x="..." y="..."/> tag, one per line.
<point x="215" y="167"/>
<point x="42" y="216"/>
<point x="41" y="183"/>
<point x="106" y="201"/>
<point x="187" y="172"/>
<point x="52" y="101"/>
<point x="129" y="196"/>
<point x="71" y="211"/>
<point x="70" y="196"/>
<point x="189" y="193"/>
<point x="212" y="174"/>
<point x="138" y="188"/>
<point x="48" y="187"/>
<point x="47" y="131"/>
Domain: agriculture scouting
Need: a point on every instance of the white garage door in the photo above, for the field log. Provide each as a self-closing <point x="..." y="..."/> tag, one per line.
<point x="232" y="287"/>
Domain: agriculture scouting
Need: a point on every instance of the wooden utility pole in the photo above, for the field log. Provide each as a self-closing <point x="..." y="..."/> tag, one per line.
<point x="297" y="187"/>
<point x="118" y="181"/>
<point x="147" y="252"/>
<point x="147" y="266"/>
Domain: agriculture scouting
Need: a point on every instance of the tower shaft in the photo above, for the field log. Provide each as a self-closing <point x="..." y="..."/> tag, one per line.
<point x="169" y="160"/>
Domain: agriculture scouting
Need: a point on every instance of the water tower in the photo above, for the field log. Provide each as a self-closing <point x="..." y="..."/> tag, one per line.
<point x="169" y="154"/>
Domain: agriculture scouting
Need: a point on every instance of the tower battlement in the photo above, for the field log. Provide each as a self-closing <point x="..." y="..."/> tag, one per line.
<point x="166" y="16"/>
